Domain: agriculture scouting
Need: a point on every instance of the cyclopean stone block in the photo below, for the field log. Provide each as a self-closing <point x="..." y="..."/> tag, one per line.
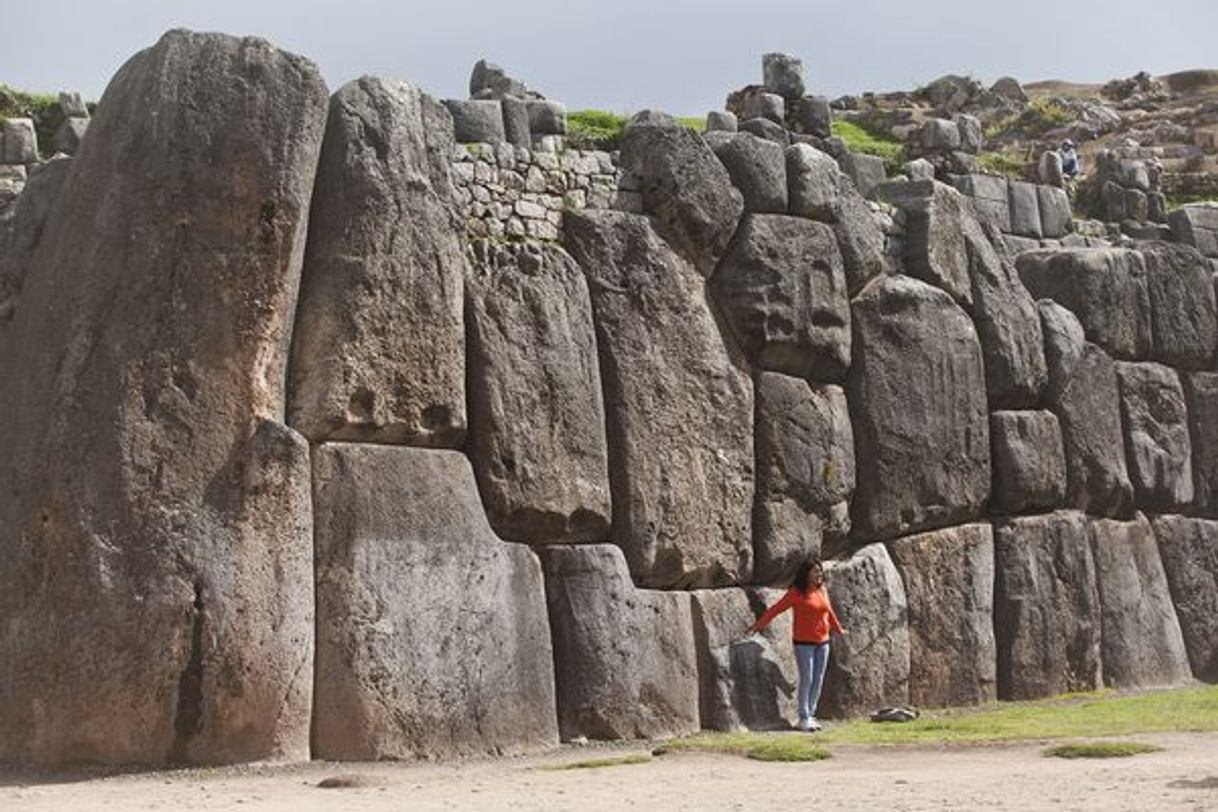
<point x="537" y="421"/>
<point x="745" y="683"/>
<point x="1201" y="405"/>
<point x="1083" y="393"/>
<point x="949" y="587"/>
<point x="679" y="408"/>
<point x="156" y="526"/>
<point x="991" y="198"/>
<point x="1157" y="448"/>
<point x="805" y="474"/>
<point x="811" y="115"/>
<point x="1104" y="287"/>
<point x="625" y="661"/>
<point x="758" y="169"/>
<point x="1183" y="315"/>
<point x="1189" y="550"/>
<point x="783" y="290"/>
<point x="1007" y="323"/>
<point x="1029" y="462"/>
<point x="379" y="346"/>
<point x="1025" y="210"/>
<point x="812" y="182"/>
<point x="867" y="171"/>
<point x="1142" y="645"/>
<point x="869" y="667"/>
<point x="476" y="121"/>
<point x="432" y="636"/>
<point x="686" y="188"/>
<point x="1046" y="607"/>
<point x="935" y="249"/>
<point x="1056" y="218"/>
<point x="917" y="399"/>
<point x="1196" y="225"/>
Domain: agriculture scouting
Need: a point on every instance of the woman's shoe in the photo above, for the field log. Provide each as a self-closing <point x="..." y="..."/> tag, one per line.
<point x="805" y="725"/>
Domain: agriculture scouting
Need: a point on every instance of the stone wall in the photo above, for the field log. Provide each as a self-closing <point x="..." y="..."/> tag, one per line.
<point x="565" y="464"/>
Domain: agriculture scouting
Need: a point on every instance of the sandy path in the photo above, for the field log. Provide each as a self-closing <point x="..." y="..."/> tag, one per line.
<point x="1008" y="777"/>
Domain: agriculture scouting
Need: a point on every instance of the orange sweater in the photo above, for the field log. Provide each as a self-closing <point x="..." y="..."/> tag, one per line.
<point x="814" y="615"/>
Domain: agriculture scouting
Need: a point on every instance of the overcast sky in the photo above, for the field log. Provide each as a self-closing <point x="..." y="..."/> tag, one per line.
<point x="679" y="55"/>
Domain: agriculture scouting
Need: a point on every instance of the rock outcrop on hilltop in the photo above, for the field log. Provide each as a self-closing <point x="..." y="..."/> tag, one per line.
<point x="387" y="427"/>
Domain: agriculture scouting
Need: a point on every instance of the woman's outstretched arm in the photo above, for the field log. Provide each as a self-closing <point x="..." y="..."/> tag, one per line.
<point x="774" y="611"/>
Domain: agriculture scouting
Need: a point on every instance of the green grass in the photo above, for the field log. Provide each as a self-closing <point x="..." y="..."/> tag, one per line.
<point x="1176" y="201"/>
<point x="595" y="763"/>
<point x="757" y="746"/>
<point x="43" y="108"/>
<point x="1100" y="750"/>
<point x="1073" y="716"/>
<point x="601" y="129"/>
<point x="1000" y="163"/>
<point x="857" y="139"/>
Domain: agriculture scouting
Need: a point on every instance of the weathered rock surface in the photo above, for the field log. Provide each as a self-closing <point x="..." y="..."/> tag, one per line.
<point x="379" y="350"/>
<point x="1025" y="210"/>
<point x="1083" y="393"/>
<point x="782" y="288"/>
<point x="1201" y="404"/>
<point x="859" y="237"/>
<point x="30" y="216"/>
<point x="537" y="421"/>
<point x="1046" y="607"/>
<point x="1183" y="317"/>
<point x="784" y="74"/>
<point x="1189" y="550"/>
<point x="625" y="661"/>
<point x="1142" y="645"/>
<point x="935" y="249"/>
<point x="1104" y="287"/>
<point x="948" y="577"/>
<point x="869" y="667"/>
<point x="758" y="169"/>
<point x="812" y="183"/>
<point x="744" y="683"/>
<point x="432" y="634"/>
<point x="156" y="525"/>
<point x="917" y="399"/>
<point x="1157" y="449"/>
<point x="1029" y="462"/>
<point x="1007" y="323"/>
<point x="476" y="121"/>
<point x="679" y="408"/>
<point x="686" y="188"/>
<point x="805" y="474"/>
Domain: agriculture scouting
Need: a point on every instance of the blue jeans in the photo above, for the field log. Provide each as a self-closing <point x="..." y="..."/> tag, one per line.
<point x="812" y="659"/>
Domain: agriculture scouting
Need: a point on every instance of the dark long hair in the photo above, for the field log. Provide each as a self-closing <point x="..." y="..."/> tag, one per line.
<point x="805" y="569"/>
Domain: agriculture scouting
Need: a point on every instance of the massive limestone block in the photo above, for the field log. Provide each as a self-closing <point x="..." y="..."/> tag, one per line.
<point x="935" y="250"/>
<point x="679" y="408"/>
<point x="1046" y="607"/>
<point x="869" y="667"/>
<point x="1189" y="550"/>
<point x="949" y="587"/>
<point x="625" y="661"/>
<point x="1157" y="448"/>
<point x="1142" y="645"/>
<point x="1104" y="287"/>
<point x="859" y="236"/>
<point x="379" y="352"/>
<point x="917" y="399"/>
<point x="686" y="188"/>
<point x="745" y="682"/>
<point x="1201" y="404"/>
<point x="1082" y="392"/>
<point x="1029" y="462"/>
<point x="537" y="421"/>
<point x="758" y="169"/>
<point x="21" y="236"/>
<point x="805" y="474"/>
<point x="156" y="526"/>
<point x="1007" y="323"/>
<point x="782" y="289"/>
<point x="432" y="635"/>
<point x="1183" y="316"/>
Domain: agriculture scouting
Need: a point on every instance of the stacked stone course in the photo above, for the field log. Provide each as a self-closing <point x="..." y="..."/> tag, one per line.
<point x="543" y="459"/>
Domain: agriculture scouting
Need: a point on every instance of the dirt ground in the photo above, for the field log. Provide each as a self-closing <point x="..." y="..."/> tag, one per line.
<point x="1008" y="777"/>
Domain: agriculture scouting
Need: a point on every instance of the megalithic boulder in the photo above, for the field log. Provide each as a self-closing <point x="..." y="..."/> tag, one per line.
<point x="156" y="525"/>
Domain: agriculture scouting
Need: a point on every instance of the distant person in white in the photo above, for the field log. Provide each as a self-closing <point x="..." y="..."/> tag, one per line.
<point x="1070" y="163"/>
